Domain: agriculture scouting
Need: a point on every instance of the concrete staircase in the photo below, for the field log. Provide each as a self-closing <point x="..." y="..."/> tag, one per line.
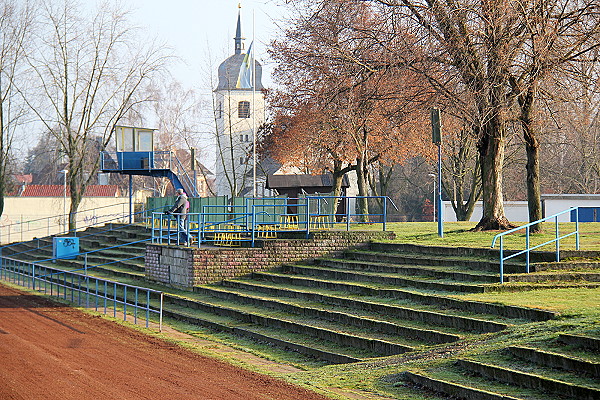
<point x="385" y="300"/>
<point x="566" y="368"/>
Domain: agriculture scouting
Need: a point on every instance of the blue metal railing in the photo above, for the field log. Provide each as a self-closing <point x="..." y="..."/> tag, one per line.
<point x="528" y="249"/>
<point x="85" y="290"/>
<point x="47" y="226"/>
<point x="245" y="221"/>
<point x="156" y="160"/>
<point x="37" y="240"/>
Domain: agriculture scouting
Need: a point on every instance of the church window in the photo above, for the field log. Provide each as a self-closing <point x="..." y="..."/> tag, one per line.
<point x="244" y="109"/>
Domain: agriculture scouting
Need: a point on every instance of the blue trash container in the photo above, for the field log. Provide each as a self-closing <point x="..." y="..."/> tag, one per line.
<point x="65" y="248"/>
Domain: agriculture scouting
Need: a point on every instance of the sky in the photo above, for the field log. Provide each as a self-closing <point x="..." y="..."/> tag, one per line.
<point x="199" y="31"/>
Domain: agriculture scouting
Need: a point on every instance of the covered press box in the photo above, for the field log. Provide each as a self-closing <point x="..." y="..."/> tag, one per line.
<point x="65" y="247"/>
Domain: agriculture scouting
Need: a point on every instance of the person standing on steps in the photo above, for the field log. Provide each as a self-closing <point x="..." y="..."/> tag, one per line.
<point x="179" y="210"/>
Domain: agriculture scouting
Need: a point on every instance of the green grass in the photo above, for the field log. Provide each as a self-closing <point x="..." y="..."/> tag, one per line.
<point x="585" y="302"/>
<point x="459" y="234"/>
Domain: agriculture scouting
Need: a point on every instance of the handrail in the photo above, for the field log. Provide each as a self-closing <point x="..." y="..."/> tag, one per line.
<point x="49" y="218"/>
<point x="81" y="237"/>
<point x="528" y="249"/>
<point x="103" y="291"/>
<point x="249" y="213"/>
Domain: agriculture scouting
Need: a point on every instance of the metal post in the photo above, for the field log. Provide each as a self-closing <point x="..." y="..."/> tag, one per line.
<point x="527" y="249"/>
<point x="440" y="212"/>
<point x="64" y="172"/>
<point x="253" y="223"/>
<point x="577" y="228"/>
<point x="160" y="317"/>
<point x="557" y="240"/>
<point x="147" y="307"/>
<point x="130" y="199"/>
<point x="384" y="212"/>
<point x="501" y="259"/>
<point x="307" y="216"/>
<point x="347" y="213"/>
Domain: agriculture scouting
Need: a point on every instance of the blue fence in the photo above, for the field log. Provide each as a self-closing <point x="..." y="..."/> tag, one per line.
<point x="86" y="291"/>
<point x="573" y="211"/>
<point x="264" y="218"/>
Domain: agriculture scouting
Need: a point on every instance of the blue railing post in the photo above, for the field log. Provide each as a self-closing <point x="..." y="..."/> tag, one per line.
<point x="347" y="214"/>
<point x="384" y="212"/>
<point x="253" y="223"/>
<point x="501" y="259"/>
<point x="577" y="229"/>
<point x="527" y="248"/>
<point x="307" y="216"/>
<point x="557" y="239"/>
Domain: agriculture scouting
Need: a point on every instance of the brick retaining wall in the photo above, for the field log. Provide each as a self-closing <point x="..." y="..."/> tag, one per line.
<point x="187" y="266"/>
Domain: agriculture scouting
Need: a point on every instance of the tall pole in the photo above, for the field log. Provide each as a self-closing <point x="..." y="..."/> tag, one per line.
<point x="440" y="211"/>
<point x="253" y="110"/>
<point x="131" y="199"/>
<point x="64" y="172"/>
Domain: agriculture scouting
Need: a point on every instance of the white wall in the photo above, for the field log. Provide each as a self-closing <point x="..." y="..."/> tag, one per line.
<point x="553" y="204"/>
<point x="515" y="211"/>
<point x="27" y="217"/>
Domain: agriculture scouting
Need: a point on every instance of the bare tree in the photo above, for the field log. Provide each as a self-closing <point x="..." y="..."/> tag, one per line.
<point x="16" y="22"/>
<point x="358" y="113"/>
<point x="556" y="35"/>
<point x="90" y="72"/>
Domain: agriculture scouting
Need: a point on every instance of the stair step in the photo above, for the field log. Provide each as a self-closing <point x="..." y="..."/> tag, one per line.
<point x="554" y="276"/>
<point x="383" y="279"/>
<point x="377" y="346"/>
<point x="555" y="360"/>
<point x="454" y="390"/>
<point x="421" y="334"/>
<point x="433" y="318"/>
<point x="313" y="349"/>
<point x="441" y="273"/>
<point x="456" y="251"/>
<point x="523" y="379"/>
<point x="431" y="260"/>
<point x="588" y="342"/>
<point x="436" y="300"/>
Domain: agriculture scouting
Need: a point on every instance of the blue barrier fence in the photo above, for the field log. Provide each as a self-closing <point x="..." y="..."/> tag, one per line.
<point x="529" y="248"/>
<point x="86" y="291"/>
<point x="265" y="218"/>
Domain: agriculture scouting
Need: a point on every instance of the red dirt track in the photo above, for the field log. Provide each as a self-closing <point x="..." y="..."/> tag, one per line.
<point x="50" y="351"/>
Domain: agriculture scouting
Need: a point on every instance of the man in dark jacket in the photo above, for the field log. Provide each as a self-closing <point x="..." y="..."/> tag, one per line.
<point x="179" y="210"/>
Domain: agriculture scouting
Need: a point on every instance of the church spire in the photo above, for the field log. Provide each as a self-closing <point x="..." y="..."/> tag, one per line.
<point x="239" y="45"/>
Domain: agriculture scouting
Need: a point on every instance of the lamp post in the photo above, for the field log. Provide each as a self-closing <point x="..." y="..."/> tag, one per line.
<point x="432" y="176"/>
<point x="64" y="171"/>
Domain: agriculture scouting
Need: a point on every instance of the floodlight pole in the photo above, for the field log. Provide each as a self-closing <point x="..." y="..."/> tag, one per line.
<point x="440" y="211"/>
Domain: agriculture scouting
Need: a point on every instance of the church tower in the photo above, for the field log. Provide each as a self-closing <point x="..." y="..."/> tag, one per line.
<point x="239" y="108"/>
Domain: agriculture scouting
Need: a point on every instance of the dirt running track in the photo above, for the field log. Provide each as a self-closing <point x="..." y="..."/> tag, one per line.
<point x="50" y="351"/>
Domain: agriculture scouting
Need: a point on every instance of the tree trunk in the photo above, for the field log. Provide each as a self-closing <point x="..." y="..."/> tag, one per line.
<point x="363" y="204"/>
<point x="532" y="147"/>
<point x="338" y="178"/>
<point x="491" y="154"/>
<point x="75" y="197"/>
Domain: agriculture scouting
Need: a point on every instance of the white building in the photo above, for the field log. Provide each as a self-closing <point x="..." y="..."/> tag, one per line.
<point x="517" y="211"/>
<point x="239" y="112"/>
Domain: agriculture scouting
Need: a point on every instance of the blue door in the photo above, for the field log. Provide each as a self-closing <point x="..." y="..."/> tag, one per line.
<point x="587" y="214"/>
